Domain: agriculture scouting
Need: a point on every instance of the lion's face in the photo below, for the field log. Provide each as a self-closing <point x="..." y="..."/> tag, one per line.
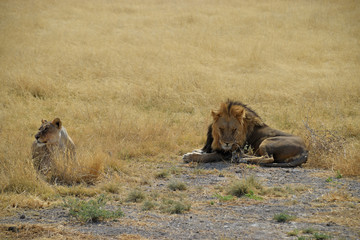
<point x="49" y="131"/>
<point x="228" y="128"/>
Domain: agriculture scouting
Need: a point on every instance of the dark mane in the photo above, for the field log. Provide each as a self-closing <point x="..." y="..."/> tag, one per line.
<point x="231" y="103"/>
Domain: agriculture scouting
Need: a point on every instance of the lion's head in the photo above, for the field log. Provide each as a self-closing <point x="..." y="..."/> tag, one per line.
<point x="49" y="131"/>
<point x="231" y="125"/>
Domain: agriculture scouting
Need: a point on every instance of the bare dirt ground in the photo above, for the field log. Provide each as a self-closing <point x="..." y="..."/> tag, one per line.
<point x="324" y="206"/>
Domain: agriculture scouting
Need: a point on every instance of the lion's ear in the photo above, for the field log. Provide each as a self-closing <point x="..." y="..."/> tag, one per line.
<point x="238" y="112"/>
<point x="222" y="111"/>
<point x="215" y="115"/>
<point x="43" y="121"/>
<point x="243" y="113"/>
<point x="57" y="123"/>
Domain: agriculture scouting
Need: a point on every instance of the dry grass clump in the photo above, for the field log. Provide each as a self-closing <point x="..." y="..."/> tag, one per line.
<point x="41" y="231"/>
<point x="148" y="205"/>
<point x="28" y="182"/>
<point x="136" y="196"/>
<point x="79" y="190"/>
<point x="162" y="174"/>
<point x="17" y="174"/>
<point x="134" y="82"/>
<point x="11" y="201"/>
<point x="328" y="149"/>
<point x="346" y="215"/>
<point x="174" y="207"/>
<point x="111" y="187"/>
<point x="177" y="185"/>
<point x="85" y="169"/>
<point x="339" y="195"/>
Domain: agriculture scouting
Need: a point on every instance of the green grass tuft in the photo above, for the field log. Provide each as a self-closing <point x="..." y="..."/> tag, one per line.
<point x="321" y="236"/>
<point x="224" y="198"/>
<point x="162" y="175"/>
<point x="329" y="179"/>
<point x="338" y="174"/>
<point x="308" y="230"/>
<point x="92" y="210"/>
<point x="245" y="187"/>
<point x="251" y="195"/>
<point x="283" y="217"/>
<point x="294" y="232"/>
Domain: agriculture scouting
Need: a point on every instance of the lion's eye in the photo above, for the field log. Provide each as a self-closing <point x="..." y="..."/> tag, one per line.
<point x="234" y="130"/>
<point x="221" y="130"/>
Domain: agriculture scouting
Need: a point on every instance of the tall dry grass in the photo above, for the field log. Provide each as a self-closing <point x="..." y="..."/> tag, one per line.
<point x="134" y="81"/>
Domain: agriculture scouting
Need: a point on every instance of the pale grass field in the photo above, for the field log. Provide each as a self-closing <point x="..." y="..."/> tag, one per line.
<point x="134" y="81"/>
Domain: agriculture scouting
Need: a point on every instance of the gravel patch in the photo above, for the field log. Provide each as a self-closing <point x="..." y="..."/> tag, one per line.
<point x="241" y="218"/>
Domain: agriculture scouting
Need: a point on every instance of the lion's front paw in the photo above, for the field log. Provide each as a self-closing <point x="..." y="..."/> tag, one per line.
<point x="194" y="156"/>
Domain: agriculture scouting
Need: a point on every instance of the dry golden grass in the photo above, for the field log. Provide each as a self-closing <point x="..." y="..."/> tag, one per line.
<point x="45" y="231"/>
<point x="134" y="81"/>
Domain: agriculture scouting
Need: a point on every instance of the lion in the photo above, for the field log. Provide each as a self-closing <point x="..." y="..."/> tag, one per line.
<point x="236" y="126"/>
<point x="51" y="141"/>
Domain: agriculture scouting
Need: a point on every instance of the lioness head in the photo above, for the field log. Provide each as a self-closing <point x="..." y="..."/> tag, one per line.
<point x="49" y="131"/>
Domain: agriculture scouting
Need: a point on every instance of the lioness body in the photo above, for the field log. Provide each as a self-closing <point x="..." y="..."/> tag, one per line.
<point x="52" y="141"/>
<point x="235" y="125"/>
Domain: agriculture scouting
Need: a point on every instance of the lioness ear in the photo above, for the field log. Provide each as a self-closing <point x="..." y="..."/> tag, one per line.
<point x="43" y="121"/>
<point x="57" y="123"/>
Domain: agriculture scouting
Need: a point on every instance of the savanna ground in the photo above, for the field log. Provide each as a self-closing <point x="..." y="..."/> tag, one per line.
<point x="134" y="83"/>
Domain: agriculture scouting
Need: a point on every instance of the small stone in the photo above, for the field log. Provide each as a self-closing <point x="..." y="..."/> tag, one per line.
<point x="13" y="229"/>
<point x="329" y="224"/>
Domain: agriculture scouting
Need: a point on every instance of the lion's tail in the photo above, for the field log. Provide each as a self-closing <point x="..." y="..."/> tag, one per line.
<point x="294" y="162"/>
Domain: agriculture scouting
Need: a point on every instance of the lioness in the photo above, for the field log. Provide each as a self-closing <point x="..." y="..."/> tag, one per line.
<point x="236" y="125"/>
<point x="52" y="141"/>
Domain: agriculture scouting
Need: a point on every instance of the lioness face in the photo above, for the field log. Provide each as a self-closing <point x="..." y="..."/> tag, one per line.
<point x="227" y="128"/>
<point x="49" y="131"/>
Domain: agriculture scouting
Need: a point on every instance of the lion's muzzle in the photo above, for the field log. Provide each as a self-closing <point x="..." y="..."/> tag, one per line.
<point x="226" y="146"/>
